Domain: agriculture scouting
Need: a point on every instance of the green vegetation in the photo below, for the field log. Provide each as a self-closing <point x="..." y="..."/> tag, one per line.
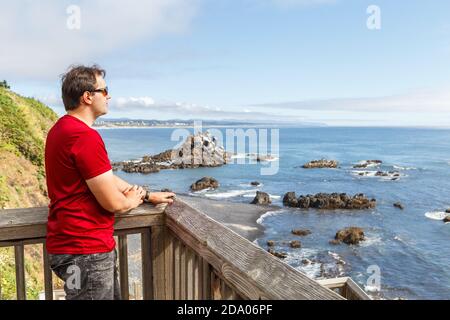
<point x="24" y="123"/>
<point x="4" y="84"/>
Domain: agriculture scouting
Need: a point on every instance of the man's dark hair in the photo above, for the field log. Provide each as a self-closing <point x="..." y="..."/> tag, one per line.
<point x="76" y="81"/>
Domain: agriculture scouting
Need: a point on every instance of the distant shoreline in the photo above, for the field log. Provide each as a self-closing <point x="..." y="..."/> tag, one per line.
<point x="186" y="127"/>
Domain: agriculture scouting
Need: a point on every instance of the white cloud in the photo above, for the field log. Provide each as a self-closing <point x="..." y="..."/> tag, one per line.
<point x="424" y="100"/>
<point x="36" y="42"/>
<point x="147" y="106"/>
<point x="291" y="3"/>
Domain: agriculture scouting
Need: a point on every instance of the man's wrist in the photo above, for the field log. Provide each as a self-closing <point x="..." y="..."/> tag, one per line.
<point x="147" y="196"/>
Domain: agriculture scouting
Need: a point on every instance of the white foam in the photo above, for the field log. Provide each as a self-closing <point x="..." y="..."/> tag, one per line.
<point x="369" y="241"/>
<point x="239" y="156"/>
<point x="252" y="195"/>
<point x="372" y="174"/>
<point x="228" y="194"/>
<point x="335" y="256"/>
<point x="249" y="185"/>
<point x="268" y="214"/>
<point x="436" y="215"/>
<point x="404" y="168"/>
<point x="270" y="157"/>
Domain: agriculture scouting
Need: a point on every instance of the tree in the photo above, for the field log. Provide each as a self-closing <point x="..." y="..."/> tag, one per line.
<point x="4" y="84"/>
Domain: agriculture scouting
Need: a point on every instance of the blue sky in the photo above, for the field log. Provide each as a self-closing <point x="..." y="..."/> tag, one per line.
<point x="289" y="60"/>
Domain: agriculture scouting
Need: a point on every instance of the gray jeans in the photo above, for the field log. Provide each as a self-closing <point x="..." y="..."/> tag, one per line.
<point x="88" y="276"/>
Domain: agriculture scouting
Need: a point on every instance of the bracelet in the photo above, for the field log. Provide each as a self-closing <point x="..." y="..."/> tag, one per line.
<point x="147" y="196"/>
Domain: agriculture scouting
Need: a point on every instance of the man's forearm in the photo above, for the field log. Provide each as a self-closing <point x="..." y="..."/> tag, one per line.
<point x="121" y="184"/>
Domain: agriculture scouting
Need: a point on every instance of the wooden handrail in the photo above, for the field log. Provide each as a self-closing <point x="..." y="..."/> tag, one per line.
<point x="185" y="255"/>
<point x="247" y="268"/>
<point x="30" y="223"/>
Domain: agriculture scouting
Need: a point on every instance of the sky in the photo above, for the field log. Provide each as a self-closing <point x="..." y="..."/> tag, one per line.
<point x="333" y="62"/>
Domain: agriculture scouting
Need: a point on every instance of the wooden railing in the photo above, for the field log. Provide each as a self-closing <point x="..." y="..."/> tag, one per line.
<point x="185" y="255"/>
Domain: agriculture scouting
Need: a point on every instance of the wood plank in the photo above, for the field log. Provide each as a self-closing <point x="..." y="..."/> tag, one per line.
<point x="200" y="278"/>
<point x="250" y="270"/>
<point x="227" y="293"/>
<point x="123" y="267"/>
<point x="17" y="224"/>
<point x="190" y="274"/>
<point x="206" y="281"/>
<point x="183" y="283"/>
<point x="22" y="242"/>
<point x="159" y="292"/>
<point x="177" y="269"/>
<point x="20" y="272"/>
<point x="216" y="292"/>
<point x="169" y="265"/>
<point x="147" y="273"/>
<point x="48" y="276"/>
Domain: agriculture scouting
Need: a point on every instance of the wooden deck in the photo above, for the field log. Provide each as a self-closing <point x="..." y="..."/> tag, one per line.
<point x="185" y="255"/>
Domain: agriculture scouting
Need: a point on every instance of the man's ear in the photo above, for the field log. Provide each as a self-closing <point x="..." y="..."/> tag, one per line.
<point x="86" y="98"/>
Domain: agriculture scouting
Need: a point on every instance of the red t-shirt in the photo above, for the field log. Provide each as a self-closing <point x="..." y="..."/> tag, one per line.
<point x="77" y="224"/>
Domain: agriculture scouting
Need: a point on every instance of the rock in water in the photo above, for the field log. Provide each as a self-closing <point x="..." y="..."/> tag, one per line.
<point x="270" y="243"/>
<point x="204" y="183"/>
<point x="328" y="201"/>
<point x="321" y="164"/>
<point x="301" y="232"/>
<point x="255" y="183"/>
<point x="447" y="211"/>
<point x="351" y="235"/>
<point x="368" y="163"/>
<point x="261" y="198"/>
<point x="281" y="255"/>
<point x="290" y="199"/>
<point x="295" y="244"/>
<point x="199" y="150"/>
<point x="399" y="205"/>
<point x="446" y="219"/>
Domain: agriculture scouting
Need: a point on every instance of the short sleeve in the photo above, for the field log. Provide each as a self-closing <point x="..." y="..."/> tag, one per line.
<point x="90" y="155"/>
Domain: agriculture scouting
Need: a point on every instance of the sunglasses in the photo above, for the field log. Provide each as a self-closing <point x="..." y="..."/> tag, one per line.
<point x="104" y="91"/>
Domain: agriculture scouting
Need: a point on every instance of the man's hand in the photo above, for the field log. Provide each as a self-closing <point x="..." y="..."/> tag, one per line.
<point x="161" y="197"/>
<point x="135" y="196"/>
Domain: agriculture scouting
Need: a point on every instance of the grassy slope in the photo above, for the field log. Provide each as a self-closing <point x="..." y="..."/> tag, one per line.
<point x="24" y="123"/>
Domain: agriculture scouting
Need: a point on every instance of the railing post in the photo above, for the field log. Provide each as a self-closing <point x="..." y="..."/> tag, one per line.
<point x="157" y="251"/>
<point x="169" y="265"/>
<point x="20" y="271"/>
<point x="123" y="267"/>
<point x="147" y="273"/>
<point x="48" y="281"/>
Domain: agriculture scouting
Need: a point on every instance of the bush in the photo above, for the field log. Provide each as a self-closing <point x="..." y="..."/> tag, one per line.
<point x="4" y="84"/>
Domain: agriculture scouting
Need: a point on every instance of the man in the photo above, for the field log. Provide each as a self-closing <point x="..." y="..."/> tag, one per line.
<point x="84" y="193"/>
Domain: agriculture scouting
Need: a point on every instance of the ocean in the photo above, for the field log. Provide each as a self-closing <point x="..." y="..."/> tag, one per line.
<point x="405" y="251"/>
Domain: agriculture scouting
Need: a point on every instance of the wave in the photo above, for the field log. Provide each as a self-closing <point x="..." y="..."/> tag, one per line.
<point x="436" y="215"/>
<point x="264" y="157"/>
<point x="269" y="214"/>
<point x="272" y="196"/>
<point x="200" y="192"/>
<point x="228" y="194"/>
<point x="249" y="185"/>
<point x="382" y="175"/>
<point x="369" y="241"/>
<point x="403" y="168"/>
<point x="311" y="269"/>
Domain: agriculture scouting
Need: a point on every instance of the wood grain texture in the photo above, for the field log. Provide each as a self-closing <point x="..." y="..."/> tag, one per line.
<point x="251" y="271"/>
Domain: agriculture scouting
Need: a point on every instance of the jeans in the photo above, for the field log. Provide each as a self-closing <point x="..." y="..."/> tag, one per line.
<point x="88" y="276"/>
